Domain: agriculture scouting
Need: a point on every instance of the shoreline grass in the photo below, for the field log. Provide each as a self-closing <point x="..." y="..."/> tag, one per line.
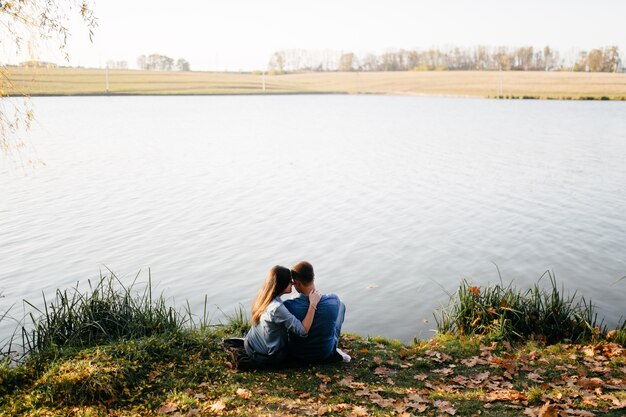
<point x="117" y="351"/>
<point x="503" y="312"/>
<point x="486" y="84"/>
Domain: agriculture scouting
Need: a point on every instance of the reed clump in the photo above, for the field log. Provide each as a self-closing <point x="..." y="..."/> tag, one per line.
<point x="107" y="311"/>
<point x="507" y="313"/>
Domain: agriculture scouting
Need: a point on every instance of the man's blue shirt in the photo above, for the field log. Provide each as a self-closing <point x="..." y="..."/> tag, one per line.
<point x="323" y="336"/>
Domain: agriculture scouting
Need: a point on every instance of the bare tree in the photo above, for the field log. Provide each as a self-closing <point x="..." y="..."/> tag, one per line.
<point x="346" y="61"/>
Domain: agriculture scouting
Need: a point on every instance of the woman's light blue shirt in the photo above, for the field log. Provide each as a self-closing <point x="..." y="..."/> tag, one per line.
<point x="269" y="336"/>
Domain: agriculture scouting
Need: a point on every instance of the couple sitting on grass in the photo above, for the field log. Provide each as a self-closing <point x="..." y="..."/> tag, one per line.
<point x="305" y="329"/>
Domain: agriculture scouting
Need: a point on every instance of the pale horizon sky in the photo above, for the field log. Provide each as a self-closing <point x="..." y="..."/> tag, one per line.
<point x="242" y="34"/>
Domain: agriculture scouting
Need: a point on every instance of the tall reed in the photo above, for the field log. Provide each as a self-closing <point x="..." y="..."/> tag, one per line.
<point x="108" y="310"/>
<point x="505" y="312"/>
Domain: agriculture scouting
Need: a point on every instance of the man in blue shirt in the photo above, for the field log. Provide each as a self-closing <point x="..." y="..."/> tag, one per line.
<point x="321" y="344"/>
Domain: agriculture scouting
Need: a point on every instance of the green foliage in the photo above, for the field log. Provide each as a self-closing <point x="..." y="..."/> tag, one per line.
<point x="506" y="313"/>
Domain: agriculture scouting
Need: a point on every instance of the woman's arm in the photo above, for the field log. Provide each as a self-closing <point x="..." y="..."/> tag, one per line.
<point x="291" y="322"/>
<point x="314" y="298"/>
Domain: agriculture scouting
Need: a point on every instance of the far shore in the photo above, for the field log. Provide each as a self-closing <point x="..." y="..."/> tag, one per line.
<point x="478" y="84"/>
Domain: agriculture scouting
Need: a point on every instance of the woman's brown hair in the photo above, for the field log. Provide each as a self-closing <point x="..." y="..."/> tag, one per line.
<point x="278" y="278"/>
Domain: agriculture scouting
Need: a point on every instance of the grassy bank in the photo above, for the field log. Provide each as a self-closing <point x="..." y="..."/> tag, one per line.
<point x="175" y="365"/>
<point x="506" y="84"/>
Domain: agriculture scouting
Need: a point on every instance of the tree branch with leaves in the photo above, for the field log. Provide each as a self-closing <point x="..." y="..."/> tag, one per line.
<point x="24" y="26"/>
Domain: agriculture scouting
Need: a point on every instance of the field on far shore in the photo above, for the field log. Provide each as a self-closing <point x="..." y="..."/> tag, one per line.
<point x="506" y="84"/>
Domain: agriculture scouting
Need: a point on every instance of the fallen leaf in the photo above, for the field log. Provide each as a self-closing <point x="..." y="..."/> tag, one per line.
<point x="322" y="410"/>
<point x="217" y="406"/>
<point x="419" y="407"/>
<point x="323" y="377"/>
<point x="579" y="413"/>
<point x="532" y="412"/>
<point x="168" y="408"/>
<point x="534" y="377"/>
<point x="382" y="371"/>
<point x="511" y="367"/>
<point x="358" y="411"/>
<point x="444" y="371"/>
<point x="548" y="410"/>
<point x="470" y="363"/>
<point x="346" y="382"/>
<point x="504" y="395"/>
<point x="480" y="377"/>
<point x="589" y="351"/>
<point x="244" y="393"/>
<point x="420" y="377"/>
<point x="445" y="406"/>
<point x="590" y="383"/>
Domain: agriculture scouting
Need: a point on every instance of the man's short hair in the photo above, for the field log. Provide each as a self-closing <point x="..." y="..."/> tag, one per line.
<point x="303" y="272"/>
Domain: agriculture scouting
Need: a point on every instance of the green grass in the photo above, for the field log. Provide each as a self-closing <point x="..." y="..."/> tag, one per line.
<point x="117" y="351"/>
<point x="507" y="313"/>
<point x="188" y="372"/>
<point x="107" y="311"/>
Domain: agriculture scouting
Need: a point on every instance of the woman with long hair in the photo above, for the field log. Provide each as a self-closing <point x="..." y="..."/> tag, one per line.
<point x="266" y="340"/>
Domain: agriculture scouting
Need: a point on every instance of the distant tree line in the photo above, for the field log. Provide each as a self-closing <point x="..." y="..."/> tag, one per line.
<point x="456" y="59"/>
<point x="121" y="65"/>
<point x="156" y="62"/>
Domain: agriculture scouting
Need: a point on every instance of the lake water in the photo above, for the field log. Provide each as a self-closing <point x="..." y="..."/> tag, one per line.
<point x="393" y="199"/>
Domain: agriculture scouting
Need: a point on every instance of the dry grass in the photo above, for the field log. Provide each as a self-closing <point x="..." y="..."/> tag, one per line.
<point x="558" y="85"/>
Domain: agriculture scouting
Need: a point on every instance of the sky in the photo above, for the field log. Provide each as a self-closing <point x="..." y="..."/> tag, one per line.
<point x="238" y="35"/>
